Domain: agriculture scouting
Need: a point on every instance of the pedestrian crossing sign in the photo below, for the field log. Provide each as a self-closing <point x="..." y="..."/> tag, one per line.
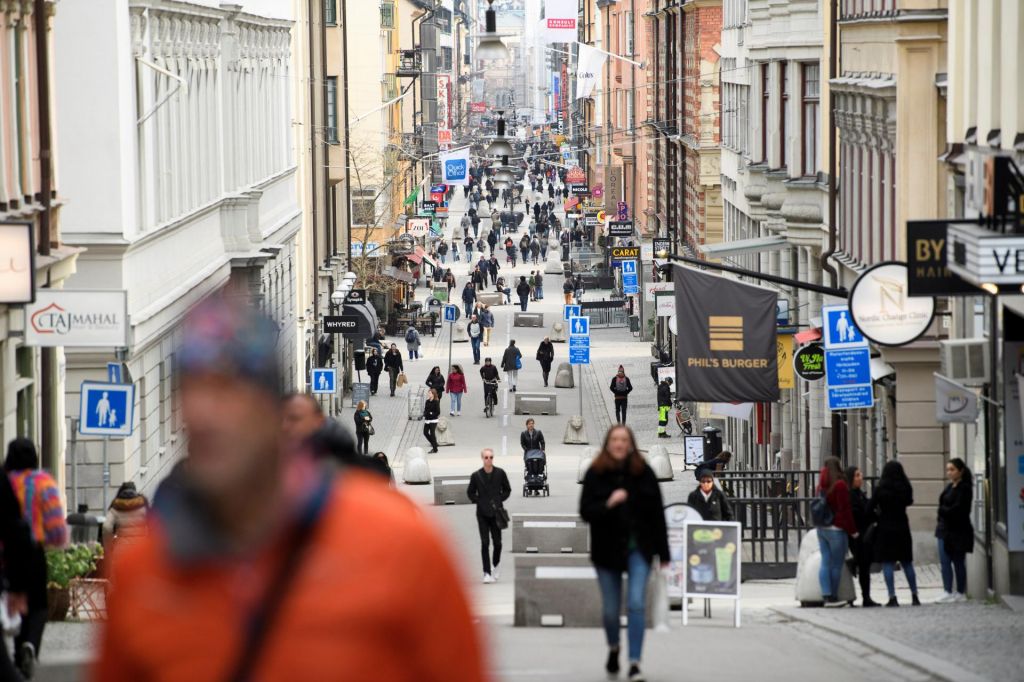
<point x="106" y="409"/>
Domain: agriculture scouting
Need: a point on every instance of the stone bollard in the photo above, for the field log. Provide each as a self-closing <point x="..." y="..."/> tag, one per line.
<point x="557" y="334"/>
<point x="444" y="433"/>
<point x="575" y="433"/>
<point x="459" y="332"/>
<point x="416" y="470"/>
<point x="586" y="457"/>
<point x="553" y="266"/>
<point x="563" y="377"/>
<point x="658" y="459"/>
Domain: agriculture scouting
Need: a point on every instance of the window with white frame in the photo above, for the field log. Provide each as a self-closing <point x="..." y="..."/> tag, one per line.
<point x="629" y="33"/>
<point x="810" y="102"/>
<point x="364" y="206"/>
<point x="331" y="104"/>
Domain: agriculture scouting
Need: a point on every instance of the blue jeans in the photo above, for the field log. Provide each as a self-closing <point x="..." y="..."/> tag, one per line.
<point x="413" y="354"/>
<point x="475" y="342"/>
<point x="456" y="402"/>
<point x="538" y="292"/>
<point x="832" y="542"/>
<point x="523" y="301"/>
<point x="957" y="561"/>
<point x="639" y="570"/>
<point x="888" y="572"/>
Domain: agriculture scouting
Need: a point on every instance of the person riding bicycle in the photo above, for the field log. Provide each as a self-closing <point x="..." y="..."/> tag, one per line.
<point x="664" y="405"/>
<point x="491" y="376"/>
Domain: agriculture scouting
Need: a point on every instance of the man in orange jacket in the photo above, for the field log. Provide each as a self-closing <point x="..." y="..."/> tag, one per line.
<point x="261" y="565"/>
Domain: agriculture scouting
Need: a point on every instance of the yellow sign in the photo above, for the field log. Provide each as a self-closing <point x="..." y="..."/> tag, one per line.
<point x="625" y="252"/>
<point x="600" y="216"/>
<point x="784" y="346"/>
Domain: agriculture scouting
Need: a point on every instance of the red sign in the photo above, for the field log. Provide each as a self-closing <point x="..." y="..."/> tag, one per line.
<point x="478" y="107"/>
<point x="576" y="176"/>
<point x="566" y="23"/>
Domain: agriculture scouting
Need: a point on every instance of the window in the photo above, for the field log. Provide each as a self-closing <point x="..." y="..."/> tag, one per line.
<point x="783" y="118"/>
<point x="26" y="397"/>
<point x="387" y="15"/>
<point x="743" y="121"/>
<point x="810" y="91"/>
<point x="364" y="210"/>
<point x="629" y="33"/>
<point x="765" y="92"/>
<point x="331" y="12"/>
<point x="630" y="125"/>
<point x="331" y="102"/>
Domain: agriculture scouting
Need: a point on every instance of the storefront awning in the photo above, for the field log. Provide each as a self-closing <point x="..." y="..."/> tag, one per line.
<point x="807" y="336"/>
<point x="880" y="369"/>
<point x="368" y="321"/>
<point x="741" y="246"/>
<point x="425" y="257"/>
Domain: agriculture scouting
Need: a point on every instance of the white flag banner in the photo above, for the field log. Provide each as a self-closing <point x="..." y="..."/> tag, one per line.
<point x="455" y="167"/>
<point x="588" y="70"/>
<point x="954" y="403"/>
<point x="559" y="22"/>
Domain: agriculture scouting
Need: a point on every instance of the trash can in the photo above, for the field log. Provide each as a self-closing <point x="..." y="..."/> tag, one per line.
<point x="85" y="527"/>
<point x="359" y="358"/>
<point x="634" y="324"/>
<point x="712" y="442"/>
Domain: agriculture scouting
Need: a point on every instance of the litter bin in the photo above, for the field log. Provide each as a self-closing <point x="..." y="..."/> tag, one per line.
<point x="712" y="442"/>
<point x="85" y="527"/>
<point x="634" y="324"/>
<point x="359" y="358"/>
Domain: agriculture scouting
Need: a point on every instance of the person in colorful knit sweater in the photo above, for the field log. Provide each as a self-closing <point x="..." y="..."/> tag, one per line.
<point x="39" y="498"/>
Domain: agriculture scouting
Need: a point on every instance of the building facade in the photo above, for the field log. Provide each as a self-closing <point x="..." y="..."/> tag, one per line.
<point x="184" y="174"/>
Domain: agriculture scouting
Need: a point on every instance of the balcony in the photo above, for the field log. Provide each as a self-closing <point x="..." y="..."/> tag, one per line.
<point x="408" y="64"/>
<point x="388" y="87"/>
<point x="387" y="15"/>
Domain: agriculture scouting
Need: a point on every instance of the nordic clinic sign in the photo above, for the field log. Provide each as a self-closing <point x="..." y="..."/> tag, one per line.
<point x="80" y="318"/>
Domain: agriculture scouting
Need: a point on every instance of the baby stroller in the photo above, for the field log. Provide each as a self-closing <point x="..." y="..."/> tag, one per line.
<point x="535" y="475"/>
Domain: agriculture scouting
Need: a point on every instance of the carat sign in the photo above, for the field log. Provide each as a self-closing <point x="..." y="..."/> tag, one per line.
<point x="77" y="318"/>
<point x="883" y="310"/>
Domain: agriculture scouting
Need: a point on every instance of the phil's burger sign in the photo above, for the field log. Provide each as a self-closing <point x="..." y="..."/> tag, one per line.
<point x="77" y="319"/>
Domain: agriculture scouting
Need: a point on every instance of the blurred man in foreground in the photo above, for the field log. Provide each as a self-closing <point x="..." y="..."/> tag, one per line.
<point x="262" y="566"/>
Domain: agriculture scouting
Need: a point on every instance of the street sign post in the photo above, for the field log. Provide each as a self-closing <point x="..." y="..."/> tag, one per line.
<point x="579" y="350"/>
<point x="114" y="372"/>
<point x="579" y="326"/>
<point x="451" y="316"/>
<point x="323" y="380"/>
<point x="106" y="410"/>
<point x="847" y="361"/>
<point x="630" y="278"/>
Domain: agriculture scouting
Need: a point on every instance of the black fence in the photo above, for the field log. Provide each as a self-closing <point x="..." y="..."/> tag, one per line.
<point x="774" y="509"/>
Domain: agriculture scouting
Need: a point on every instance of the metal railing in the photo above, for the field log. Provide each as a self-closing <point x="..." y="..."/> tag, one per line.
<point x="774" y="509"/>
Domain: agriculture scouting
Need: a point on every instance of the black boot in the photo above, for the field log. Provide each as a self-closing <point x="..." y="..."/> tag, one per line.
<point x="892" y="602"/>
<point x="612" y="666"/>
<point x="914" y="600"/>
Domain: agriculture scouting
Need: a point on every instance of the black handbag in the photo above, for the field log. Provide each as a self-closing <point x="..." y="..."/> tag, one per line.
<point x="501" y="515"/>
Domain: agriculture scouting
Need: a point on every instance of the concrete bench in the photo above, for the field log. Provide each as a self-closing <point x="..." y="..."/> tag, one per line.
<point x="490" y="298"/>
<point x="536" y="403"/>
<point x="528" y="320"/>
<point x="451" y="490"/>
<point x="559" y="591"/>
<point x="549" y="534"/>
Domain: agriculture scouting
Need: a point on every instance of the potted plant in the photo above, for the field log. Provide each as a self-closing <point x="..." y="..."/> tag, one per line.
<point x="63" y="566"/>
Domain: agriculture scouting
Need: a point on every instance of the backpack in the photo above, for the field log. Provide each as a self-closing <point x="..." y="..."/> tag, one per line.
<point x="410" y="335"/>
<point x="822" y="515"/>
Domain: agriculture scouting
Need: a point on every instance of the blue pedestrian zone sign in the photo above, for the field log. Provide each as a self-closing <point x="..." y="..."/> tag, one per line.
<point x="114" y="372"/>
<point x="850" y="397"/>
<point x="579" y="326"/>
<point x="629" y="267"/>
<point x="579" y="350"/>
<point x="571" y="311"/>
<point x="324" y="380"/>
<point x="839" y="329"/>
<point x="451" y="313"/>
<point x="106" y="409"/>
<point x="848" y="367"/>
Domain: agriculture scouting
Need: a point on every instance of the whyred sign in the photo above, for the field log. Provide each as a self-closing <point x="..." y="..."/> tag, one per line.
<point x="564" y="23"/>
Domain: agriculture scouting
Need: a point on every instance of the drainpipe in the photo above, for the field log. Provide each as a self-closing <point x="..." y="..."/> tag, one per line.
<point x="311" y="7"/>
<point x="348" y="148"/>
<point x="48" y="356"/>
<point x="833" y="56"/>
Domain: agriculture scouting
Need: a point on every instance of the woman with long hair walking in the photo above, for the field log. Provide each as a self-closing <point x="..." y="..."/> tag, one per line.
<point x="364" y="428"/>
<point x="621" y="501"/>
<point x="893" y="542"/>
<point x="456" y="387"/>
<point x="431" y="413"/>
<point x="834" y="538"/>
<point x="954" y="531"/>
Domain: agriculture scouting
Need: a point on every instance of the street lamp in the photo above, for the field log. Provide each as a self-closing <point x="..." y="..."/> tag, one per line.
<point x="490" y="46"/>
<point x="499" y="146"/>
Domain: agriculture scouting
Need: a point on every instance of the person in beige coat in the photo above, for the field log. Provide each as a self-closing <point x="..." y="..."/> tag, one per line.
<point x="126" y="516"/>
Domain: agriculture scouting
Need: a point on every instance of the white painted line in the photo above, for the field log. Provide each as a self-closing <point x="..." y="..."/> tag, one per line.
<point x="461" y="481"/>
<point x="549" y="524"/>
<point x="565" y="573"/>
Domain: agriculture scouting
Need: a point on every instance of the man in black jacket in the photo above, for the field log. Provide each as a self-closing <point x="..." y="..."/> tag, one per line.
<point x="709" y="500"/>
<point x="664" y="405"/>
<point x="531" y="438"/>
<point x="488" y="489"/>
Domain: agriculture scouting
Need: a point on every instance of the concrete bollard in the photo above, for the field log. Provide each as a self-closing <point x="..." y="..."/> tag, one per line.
<point x="586" y="457"/>
<point x="557" y="334"/>
<point x="658" y="459"/>
<point x="553" y="266"/>
<point x="563" y="377"/>
<point x="416" y="470"/>
<point x="575" y="433"/>
<point x="444" y="433"/>
<point x="459" y="332"/>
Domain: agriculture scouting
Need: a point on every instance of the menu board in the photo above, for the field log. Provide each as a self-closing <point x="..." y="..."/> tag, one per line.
<point x="694" y="449"/>
<point x="676" y="517"/>
<point x="712" y="555"/>
<point x="360" y="392"/>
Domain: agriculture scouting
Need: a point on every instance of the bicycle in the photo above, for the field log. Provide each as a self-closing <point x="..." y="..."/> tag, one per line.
<point x="685" y="419"/>
<point x="490" y="397"/>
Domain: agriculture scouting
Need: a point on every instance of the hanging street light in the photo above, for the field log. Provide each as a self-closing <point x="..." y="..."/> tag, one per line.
<point x="499" y="146"/>
<point x="490" y="47"/>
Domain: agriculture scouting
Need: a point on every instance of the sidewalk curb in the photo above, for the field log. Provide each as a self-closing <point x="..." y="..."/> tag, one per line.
<point x="926" y="663"/>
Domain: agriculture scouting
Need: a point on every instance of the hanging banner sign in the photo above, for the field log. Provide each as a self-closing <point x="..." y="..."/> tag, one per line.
<point x="954" y="403"/>
<point x="630" y="253"/>
<point x="417" y="227"/>
<point x="588" y="70"/>
<point x="620" y="228"/>
<point x="85" y="318"/>
<point x="727" y="348"/>
<point x="17" y="262"/>
<point x="559" y="22"/>
<point x="928" y="274"/>
<point x="883" y="310"/>
<point x="809" y="362"/>
<point x="455" y="167"/>
<point x="784" y="353"/>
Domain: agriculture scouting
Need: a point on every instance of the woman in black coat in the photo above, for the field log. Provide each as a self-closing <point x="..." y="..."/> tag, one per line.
<point x="621" y="500"/>
<point x="545" y="356"/>
<point x="954" y="530"/>
<point x="859" y="546"/>
<point x="436" y="381"/>
<point x="893" y="542"/>
<point x="431" y="413"/>
<point x="393" y="365"/>
<point x="374" y="366"/>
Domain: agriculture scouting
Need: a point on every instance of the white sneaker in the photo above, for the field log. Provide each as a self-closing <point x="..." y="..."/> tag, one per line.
<point x="959" y="597"/>
<point x="496" y="573"/>
<point x="488" y="579"/>
<point x="946" y="598"/>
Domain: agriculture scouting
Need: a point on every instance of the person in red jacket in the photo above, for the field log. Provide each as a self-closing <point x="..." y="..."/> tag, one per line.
<point x="834" y="539"/>
<point x="456" y="387"/>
